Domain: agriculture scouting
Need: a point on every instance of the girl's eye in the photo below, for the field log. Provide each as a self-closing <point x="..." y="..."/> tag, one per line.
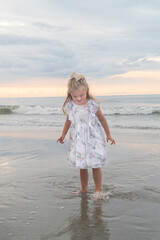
<point x="77" y="96"/>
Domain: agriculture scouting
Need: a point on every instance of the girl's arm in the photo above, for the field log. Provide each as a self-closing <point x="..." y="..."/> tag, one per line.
<point x="66" y="127"/>
<point x="104" y="124"/>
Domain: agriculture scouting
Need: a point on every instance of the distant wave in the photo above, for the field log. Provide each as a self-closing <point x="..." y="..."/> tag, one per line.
<point x="126" y="111"/>
<point x="30" y="123"/>
<point x="30" y="110"/>
<point x="6" y="110"/>
<point x="46" y="110"/>
<point x="129" y="114"/>
<point x="136" y="127"/>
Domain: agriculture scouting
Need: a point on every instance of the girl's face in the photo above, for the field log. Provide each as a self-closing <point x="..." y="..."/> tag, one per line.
<point x="79" y="96"/>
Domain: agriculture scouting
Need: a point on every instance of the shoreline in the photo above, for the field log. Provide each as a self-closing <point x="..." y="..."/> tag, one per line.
<point x="31" y="131"/>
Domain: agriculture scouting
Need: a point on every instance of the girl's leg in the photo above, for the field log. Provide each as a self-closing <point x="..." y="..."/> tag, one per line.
<point x="97" y="176"/>
<point x="84" y="180"/>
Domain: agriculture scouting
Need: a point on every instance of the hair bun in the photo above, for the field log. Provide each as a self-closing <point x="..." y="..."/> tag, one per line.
<point x="77" y="76"/>
<point x="73" y="75"/>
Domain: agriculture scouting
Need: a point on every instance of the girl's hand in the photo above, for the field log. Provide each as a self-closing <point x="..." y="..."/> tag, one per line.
<point x="61" y="139"/>
<point x="109" y="138"/>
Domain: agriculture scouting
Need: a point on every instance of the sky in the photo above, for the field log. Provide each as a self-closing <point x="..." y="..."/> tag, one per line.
<point x="114" y="44"/>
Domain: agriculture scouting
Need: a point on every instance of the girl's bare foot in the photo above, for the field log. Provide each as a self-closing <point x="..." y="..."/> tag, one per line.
<point x="80" y="191"/>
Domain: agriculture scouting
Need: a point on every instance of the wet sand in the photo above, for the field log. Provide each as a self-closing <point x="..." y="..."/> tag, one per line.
<point x="36" y="184"/>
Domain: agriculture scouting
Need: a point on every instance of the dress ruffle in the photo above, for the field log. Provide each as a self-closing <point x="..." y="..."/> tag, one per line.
<point x="68" y="110"/>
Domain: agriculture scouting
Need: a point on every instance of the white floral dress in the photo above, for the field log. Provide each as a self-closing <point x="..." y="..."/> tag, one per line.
<point x="87" y="145"/>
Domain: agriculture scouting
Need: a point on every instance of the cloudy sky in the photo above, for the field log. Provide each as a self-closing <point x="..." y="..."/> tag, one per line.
<point x="115" y="44"/>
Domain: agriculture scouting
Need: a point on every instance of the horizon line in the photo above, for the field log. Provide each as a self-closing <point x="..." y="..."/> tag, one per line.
<point x="138" y="94"/>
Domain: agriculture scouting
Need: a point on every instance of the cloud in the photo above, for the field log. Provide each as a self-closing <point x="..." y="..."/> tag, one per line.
<point x="49" y="27"/>
<point x="9" y="39"/>
<point x="98" y="38"/>
<point x="145" y="63"/>
<point x="7" y="23"/>
<point x="46" y="58"/>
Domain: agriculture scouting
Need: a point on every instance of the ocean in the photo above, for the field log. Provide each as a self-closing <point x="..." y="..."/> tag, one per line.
<point x="36" y="184"/>
<point x="124" y="112"/>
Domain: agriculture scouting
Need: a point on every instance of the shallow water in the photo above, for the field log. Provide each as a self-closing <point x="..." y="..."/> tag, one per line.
<point x="36" y="200"/>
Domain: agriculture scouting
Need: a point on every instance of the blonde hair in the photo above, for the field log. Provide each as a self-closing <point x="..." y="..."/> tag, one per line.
<point x="75" y="82"/>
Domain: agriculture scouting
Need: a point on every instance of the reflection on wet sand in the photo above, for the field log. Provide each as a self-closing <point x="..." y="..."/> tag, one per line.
<point x="88" y="224"/>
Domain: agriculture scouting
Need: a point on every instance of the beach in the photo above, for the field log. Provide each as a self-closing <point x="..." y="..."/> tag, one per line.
<point x="36" y="185"/>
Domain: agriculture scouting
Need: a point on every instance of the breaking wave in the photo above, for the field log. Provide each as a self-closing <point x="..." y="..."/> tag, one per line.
<point x="43" y="110"/>
<point x="30" y="110"/>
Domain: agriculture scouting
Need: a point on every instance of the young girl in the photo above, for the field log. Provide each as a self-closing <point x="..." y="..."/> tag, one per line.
<point x="87" y="145"/>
